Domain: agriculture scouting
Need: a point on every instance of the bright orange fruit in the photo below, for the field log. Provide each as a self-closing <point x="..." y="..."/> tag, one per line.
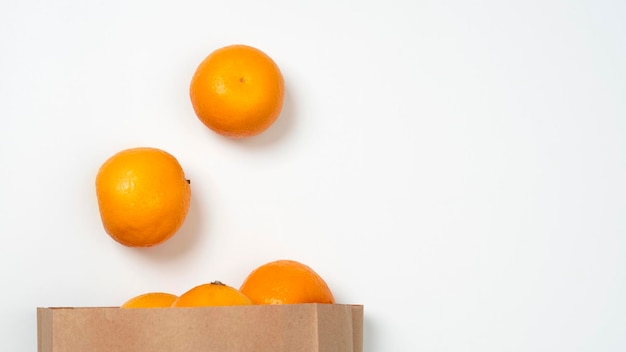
<point x="286" y="282"/>
<point x="150" y="300"/>
<point x="237" y="91"/>
<point x="212" y="294"/>
<point x="143" y="196"/>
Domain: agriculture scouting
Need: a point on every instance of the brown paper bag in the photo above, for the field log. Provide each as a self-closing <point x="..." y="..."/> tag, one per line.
<point x="258" y="328"/>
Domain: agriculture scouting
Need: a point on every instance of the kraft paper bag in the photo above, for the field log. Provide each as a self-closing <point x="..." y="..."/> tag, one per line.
<point x="258" y="328"/>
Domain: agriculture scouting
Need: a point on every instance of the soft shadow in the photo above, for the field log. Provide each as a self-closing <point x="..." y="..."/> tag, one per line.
<point x="186" y="238"/>
<point x="370" y="340"/>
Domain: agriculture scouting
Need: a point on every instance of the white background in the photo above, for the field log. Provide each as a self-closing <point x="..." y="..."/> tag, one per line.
<point x="456" y="167"/>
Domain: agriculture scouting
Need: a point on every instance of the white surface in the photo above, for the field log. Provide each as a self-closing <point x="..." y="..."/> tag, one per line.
<point x="457" y="167"/>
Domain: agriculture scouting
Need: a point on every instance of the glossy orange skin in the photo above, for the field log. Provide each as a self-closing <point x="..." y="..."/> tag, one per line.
<point x="143" y="196"/>
<point x="210" y="295"/>
<point x="237" y="91"/>
<point x="150" y="300"/>
<point x="286" y="282"/>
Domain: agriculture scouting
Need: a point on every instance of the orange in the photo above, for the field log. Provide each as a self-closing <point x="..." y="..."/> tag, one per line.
<point x="143" y="196"/>
<point x="212" y="294"/>
<point x="237" y="91"/>
<point x="286" y="282"/>
<point x="151" y="300"/>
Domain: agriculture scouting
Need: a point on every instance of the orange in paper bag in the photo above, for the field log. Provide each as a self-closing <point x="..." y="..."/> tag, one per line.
<point x="212" y="294"/>
<point x="150" y="300"/>
<point x="286" y="282"/>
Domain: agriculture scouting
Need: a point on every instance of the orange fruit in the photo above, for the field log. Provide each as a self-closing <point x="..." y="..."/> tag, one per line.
<point x="286" y="282"/>
<point x="143" y="196"/>
<point x="237" y="91"/>
<point x="212" y="294"/>
<point x="150" y="300"/>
